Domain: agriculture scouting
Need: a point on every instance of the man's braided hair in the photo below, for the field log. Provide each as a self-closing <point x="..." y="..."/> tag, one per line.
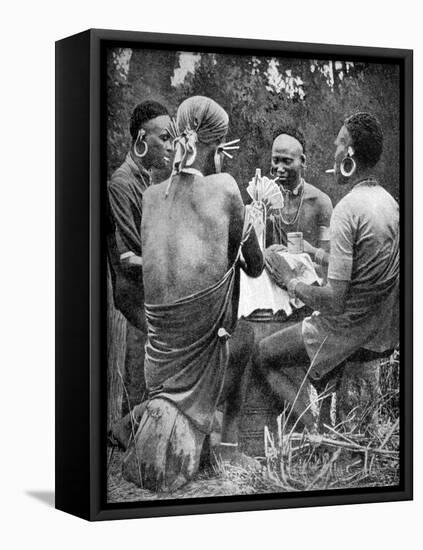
<point x="367" y="137"/>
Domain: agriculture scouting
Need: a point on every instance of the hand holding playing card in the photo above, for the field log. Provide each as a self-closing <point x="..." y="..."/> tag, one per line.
<point x="265" y="191"/>
<point x="278" y="268"/>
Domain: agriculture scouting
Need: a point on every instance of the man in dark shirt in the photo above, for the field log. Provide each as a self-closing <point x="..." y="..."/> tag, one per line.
<point x="151" y="149"/>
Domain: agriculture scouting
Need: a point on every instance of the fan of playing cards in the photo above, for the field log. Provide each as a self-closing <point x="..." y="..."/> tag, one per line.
<point x="267" y="197"/>
<point x="266" y="191"/>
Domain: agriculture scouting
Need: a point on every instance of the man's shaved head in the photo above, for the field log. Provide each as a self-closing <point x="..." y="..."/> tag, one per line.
<point x="293" y="132"/>
<point x="288" y="160"/>
<point x="285" y="142"/>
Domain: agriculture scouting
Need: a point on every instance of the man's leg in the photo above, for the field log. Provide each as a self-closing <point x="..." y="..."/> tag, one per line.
<point x="282" y="358"/>
<point x="134" y="379"/>
<point x="135" y="392"/>
<point x="241" y="346"/>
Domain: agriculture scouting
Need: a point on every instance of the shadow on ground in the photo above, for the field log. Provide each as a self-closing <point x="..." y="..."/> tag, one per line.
<point x="46" y="497"/>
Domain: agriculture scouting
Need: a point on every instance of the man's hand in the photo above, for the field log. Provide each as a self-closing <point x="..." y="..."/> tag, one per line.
<point x="132" y="260"/>
<point x="278" y="268"/>
<point x="277" y="248"/>
<point x="254" y="212"/>
<point x="308" y="248"/>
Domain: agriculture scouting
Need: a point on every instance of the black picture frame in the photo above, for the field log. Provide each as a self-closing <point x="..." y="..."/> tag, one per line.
<point x="80" y="276"/>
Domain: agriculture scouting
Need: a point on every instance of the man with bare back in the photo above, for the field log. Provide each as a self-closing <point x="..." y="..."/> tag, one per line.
<point x="193" y="229"/>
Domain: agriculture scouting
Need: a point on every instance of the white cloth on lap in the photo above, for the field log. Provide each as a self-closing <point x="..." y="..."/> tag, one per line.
<point x="263" y="293"/>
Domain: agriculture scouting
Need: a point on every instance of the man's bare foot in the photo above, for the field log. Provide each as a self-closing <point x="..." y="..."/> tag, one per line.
<point x="228" y="453"/>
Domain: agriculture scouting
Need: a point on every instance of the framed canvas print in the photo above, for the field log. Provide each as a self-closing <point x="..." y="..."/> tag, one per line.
<point x="233" y="274"/>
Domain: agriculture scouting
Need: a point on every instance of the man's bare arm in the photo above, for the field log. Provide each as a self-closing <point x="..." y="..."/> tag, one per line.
<point x="253" y="261"/>
<point x="132" y="260"/>
<point x="319" y="255"/>
<point x="253" y="264"/>
<point x="325" y="215"/>
<point x="328" y="299"/>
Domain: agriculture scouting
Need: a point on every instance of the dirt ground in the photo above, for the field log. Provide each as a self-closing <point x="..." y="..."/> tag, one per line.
<point x="233" y="480"/>
<point x="205" y="484"/>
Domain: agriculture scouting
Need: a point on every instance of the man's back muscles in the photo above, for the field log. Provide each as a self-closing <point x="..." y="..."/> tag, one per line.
<point x="186" y="235"/>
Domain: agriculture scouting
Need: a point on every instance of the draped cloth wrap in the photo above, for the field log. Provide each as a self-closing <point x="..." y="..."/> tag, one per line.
<point x="185" y="362"/>
<point x="187" y="350"/>
<point x="200" y="119"/>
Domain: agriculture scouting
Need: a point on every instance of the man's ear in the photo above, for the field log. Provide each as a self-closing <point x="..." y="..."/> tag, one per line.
<point x="303" y="160"/>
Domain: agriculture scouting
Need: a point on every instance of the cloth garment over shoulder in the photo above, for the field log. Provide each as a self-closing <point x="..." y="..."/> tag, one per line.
<point x="365" y="252"/>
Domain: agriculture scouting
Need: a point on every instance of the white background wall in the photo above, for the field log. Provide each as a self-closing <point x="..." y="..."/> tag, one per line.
<point x="28" y="32"/>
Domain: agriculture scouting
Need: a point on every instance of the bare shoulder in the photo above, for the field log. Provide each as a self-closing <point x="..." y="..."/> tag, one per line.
<point x="224" y="182"/>
<point x="324" y="200"/>
<point x="321" y="198"/>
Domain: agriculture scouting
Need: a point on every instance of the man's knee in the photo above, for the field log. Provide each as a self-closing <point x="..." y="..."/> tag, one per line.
<point x="284" y="348"/>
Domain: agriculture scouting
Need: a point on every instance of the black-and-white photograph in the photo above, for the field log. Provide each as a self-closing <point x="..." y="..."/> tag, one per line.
<point x="253" y="274"/>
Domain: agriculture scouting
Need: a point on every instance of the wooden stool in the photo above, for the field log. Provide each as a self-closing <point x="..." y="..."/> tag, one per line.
<point x="356" y="387"/>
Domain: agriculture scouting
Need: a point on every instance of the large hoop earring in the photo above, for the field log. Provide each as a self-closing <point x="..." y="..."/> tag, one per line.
<point x="347" y="173"/>
<point x="137" y="154"/>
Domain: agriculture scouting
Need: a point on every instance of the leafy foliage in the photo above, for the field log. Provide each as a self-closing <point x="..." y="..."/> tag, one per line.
<point x="260" y="95"/>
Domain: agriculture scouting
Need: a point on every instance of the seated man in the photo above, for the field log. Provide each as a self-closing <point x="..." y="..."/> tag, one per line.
<point x="306" y="208"/>
<point x="358" y="307"/>
<point x="192" y="233"/>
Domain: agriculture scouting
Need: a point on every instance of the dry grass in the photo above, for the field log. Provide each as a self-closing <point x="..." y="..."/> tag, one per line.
<point x="354" y="453"/>
<point x="218" y="482"/>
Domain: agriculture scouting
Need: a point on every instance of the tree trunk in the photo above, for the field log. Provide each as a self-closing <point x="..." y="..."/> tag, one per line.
<point x="116" y="349"/>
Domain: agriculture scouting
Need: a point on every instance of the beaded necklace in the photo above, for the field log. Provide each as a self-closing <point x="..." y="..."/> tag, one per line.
<point x="297" y="213"/>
